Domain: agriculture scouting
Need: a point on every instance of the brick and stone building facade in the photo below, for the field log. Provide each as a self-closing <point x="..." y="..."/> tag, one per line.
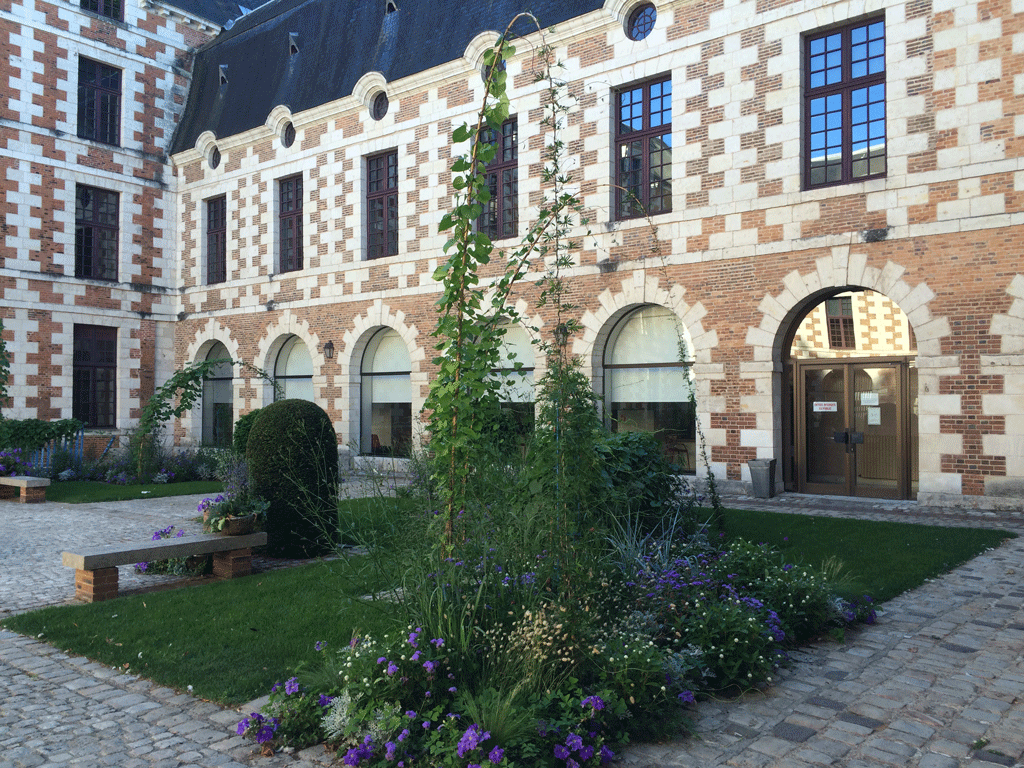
<point x="92" y="93"/>
<point x="822" y="234"/>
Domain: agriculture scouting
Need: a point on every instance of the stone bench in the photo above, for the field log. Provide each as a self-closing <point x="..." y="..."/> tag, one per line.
<point x="33" y="489"/>
<point x="96" y="567"/>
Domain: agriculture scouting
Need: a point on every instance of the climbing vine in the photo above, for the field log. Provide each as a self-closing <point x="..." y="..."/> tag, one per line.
<point x="473" y="316"/>
<point x="178" y="395"/>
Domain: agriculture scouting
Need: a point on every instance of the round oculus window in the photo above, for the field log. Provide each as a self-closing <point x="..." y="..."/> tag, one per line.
<point x="641" y="21"/>
<point x="288" y="135"/>
<point x="214" y="158"/>
<point x="380" y="106"/>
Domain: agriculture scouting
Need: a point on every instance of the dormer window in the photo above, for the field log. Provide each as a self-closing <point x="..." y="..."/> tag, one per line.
<point x="390" y="6"/>
<point x="380" y="106"/>
<point x="641" y="21"/>
<point x="223" y="74"/>
<point x="293" y="43"/>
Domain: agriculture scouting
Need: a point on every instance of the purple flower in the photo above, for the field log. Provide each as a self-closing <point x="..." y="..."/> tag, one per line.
<point x="429" y="666"/>
<point x="291" y="686"/>
<point x="320" y="645"/>
<point x="561" y="752"/>
<point x="586" y="753"/>
<point x="687" y="697"/>
<point x="471" y="739"/>
<point x="243" y="726"/>
<point x="593" y="701"/>
<point x="606" y="755"/>
<point x="382" y="659"/>
<point x="392" y="668"/>
<point x="413" y="636"/>
<point x="325" y="700"/>
<point x="415" y="656"/>
<point x="389" y="750"/>
<point x="410" y="714"/>
<point x="438" y="642"/>
<point x="453" y="689"/>
<point x="404" y="734"/>
<point x="573" y="741"/>
<point x="496" y="755"/>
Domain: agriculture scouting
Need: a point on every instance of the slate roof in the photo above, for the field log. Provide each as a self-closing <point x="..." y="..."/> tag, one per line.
<point x="220" y="12"/>
<point x="339" y="41"/>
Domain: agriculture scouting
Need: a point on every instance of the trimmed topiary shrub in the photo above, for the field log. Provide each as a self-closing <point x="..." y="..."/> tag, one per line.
<point x="240" y="435"/>
<point x="292" y="455"/>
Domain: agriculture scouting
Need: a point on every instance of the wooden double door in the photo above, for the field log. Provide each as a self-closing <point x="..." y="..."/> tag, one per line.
<point x="855" y="427"/>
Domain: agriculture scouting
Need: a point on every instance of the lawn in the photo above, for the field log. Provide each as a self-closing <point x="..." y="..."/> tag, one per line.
<point x="229" y="640"/>
<point x="879" y="559"/>
<point x="232" y="640"/>
<point x="85" y="491"/>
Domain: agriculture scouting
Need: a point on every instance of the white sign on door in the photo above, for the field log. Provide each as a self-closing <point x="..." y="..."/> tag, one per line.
<point x="821" y="406"/>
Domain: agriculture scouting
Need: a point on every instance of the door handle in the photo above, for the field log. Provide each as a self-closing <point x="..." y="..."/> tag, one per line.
<point x="841" y="437"/>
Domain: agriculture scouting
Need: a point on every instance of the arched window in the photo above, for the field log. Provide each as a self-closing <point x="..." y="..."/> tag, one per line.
<point x="517" y="387"/>
<point x="218" y="394"/>
<point x="293" y="371"/>
<point x="386" y="428"/>
<point x="647" y="386"/>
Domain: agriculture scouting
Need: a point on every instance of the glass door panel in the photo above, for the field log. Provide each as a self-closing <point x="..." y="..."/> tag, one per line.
<point x="876" y="434"/>
<point x="825" y="418"/>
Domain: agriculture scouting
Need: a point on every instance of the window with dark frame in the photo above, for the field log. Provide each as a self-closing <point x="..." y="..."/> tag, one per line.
<point x="839" y="313"/>
<point x="99" y="102"/>
<point x="96" y="233"/>
<point x="217" y="240"/>
<point x="643" y="149"/>
<point x="94" y="375"/>
<point x="290" y="223"/>
<point x="844" y="109"/>
<point x="112" y="9"/>
<point x="382" y="205"/>
<point x="500" y="219"/>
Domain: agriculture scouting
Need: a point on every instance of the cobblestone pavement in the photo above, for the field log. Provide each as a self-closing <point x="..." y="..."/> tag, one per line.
<point x="938" y="682"/>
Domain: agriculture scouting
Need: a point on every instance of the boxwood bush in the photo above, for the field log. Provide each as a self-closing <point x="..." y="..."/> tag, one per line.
<point x="292" y="453"/>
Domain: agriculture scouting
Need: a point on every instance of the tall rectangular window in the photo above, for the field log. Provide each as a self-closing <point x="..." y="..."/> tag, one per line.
<point x="382" y="205"/>
<point x="112" y="9"/>
<point x="217" y="239"/>
<point x="96" y="233"/>
<point x="643" y="149"/>
<point x="839" y="313"/>
<point x="500" y="218"/>
<point x="844" y="108"/>
<point x="290" y="223"/>
<point x="94" y="380"/>
<point x="99" y="102"/>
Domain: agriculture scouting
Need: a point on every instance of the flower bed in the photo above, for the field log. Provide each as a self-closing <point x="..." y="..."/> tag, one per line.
<point x="532" y="660"/>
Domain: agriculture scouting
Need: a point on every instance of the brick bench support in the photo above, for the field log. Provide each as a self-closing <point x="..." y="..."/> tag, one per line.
<point x="96" y="567"/>
<point x="32" y="489"/>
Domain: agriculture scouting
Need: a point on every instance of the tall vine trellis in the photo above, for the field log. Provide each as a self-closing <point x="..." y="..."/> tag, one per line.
<point x="473" y="317"/>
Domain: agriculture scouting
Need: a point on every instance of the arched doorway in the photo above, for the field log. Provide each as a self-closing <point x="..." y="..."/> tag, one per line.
<point x="852" y="377"/>
<point x="218" y="399"/>
<point x="293" y="371"/>
<point x="386" y="424"/>
<point x="648" y="386"/>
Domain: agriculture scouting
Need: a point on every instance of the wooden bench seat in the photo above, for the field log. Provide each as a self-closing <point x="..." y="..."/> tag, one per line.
<point x="33" y="489"/>
<point x="96" y="567"/>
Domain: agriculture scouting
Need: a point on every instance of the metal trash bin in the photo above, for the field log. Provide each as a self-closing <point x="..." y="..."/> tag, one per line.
<point x="762" y="478"/>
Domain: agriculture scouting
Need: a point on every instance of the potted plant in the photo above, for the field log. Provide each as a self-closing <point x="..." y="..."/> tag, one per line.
<point x="233" y="514"/>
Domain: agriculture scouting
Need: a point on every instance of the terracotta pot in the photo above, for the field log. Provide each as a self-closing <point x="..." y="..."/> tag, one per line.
<point x="239" y="526"/>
